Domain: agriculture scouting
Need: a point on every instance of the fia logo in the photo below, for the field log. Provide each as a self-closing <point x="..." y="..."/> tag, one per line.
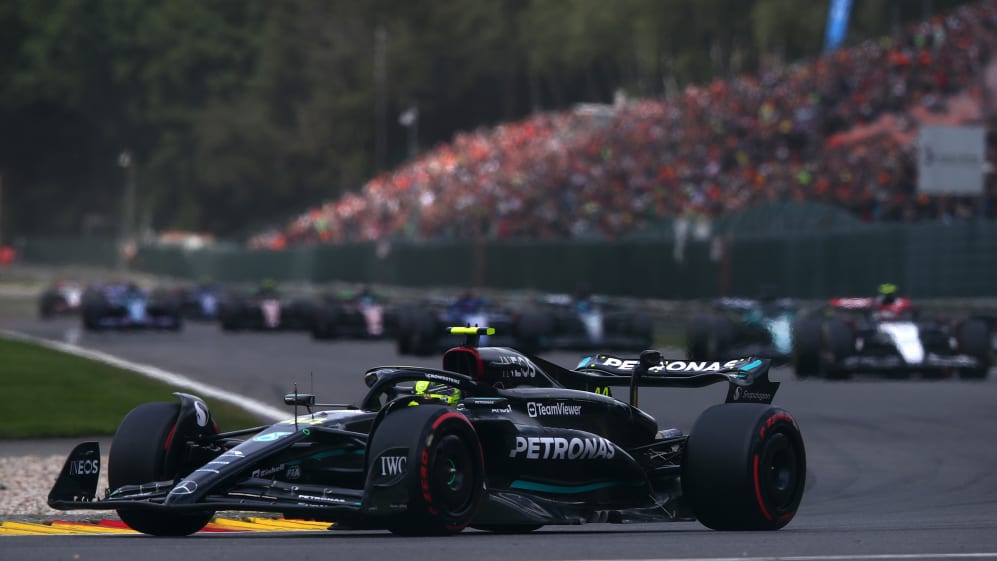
<point x="393" y="465"/>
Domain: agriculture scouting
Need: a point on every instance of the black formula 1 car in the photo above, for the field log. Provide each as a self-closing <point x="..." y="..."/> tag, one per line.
<point x="497" y="440"/>
<point x="583" y="322"/>
<point x="421" y="328"/>
<point x="263" y="309"/>
<point x="63" y="298"/>
<point x="851" y="335"/>
<point x="739" y="327"/>
<point x="126" y="306"/>
<point x="552" y="321"/>
<point x="362" y="315"/>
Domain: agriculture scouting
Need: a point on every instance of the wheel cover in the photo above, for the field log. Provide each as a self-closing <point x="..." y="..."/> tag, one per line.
<point x="451" y="475"/>
<point x="780" y="477"/>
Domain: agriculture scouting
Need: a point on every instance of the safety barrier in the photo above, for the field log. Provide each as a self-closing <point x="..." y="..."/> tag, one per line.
<point x="924" y="260"/>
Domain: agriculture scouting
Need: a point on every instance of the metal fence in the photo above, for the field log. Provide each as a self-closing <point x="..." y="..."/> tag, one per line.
<point x="763" y="256"/>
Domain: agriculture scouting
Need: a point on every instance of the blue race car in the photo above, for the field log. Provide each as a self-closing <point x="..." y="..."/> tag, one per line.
<point x="126" y="306"/>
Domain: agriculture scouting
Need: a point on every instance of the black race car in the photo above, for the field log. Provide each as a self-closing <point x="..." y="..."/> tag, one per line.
<point x="583" y="322"/>
<point x="497" y="440"/>
<point x="63" y="298"/>
<point x="737" y="327"/>
<point x="421" y="328"/>
<point x="361" y="315"/>
<point x="264" y="308"/>
<point x="127" y="306"/>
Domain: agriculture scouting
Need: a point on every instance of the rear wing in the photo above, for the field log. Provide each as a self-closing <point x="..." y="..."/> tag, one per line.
<point x="747" y="378"/>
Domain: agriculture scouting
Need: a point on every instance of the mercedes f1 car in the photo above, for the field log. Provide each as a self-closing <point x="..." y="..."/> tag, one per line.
<point x="851" y="335"/>
<point x="496" y="440"/>
<point x="583" y="322"/>
<point x="743" y="327"/>
<point x="126" y="306"/>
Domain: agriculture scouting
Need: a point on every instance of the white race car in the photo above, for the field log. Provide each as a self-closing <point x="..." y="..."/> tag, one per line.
<point x="851" y="335"/>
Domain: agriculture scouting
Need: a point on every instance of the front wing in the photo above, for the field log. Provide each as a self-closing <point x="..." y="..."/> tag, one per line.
<point x="77" y="485"/>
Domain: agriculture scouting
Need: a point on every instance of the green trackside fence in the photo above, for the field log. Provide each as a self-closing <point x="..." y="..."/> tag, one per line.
<point x="766" y="254"/>
<point x="98" y="253"/>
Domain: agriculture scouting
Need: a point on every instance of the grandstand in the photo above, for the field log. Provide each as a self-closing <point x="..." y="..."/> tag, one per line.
<point x="840" y="130"/>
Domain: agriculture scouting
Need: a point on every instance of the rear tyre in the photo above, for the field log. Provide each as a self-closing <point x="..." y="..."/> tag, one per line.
<point x="46" y="308"/>
<point x="324" y="326"/>
<point x="444" y="475"/>
<point x="402" y="330"/>
<point x="229" y="319"/>
<point x="641" y="328"/>
<point x="745" y="467"/>
<point x="719" y="339"/>
<point x="708" y="337"/>
<point x="837" y="342"/>
<point x="138" y="455"/>
<point x="91" y="315"/>
<point x="424" y="334"/>
<point x="973" y="337"/>
<point x="806" y="347"/>
<point x="532" y="328"/>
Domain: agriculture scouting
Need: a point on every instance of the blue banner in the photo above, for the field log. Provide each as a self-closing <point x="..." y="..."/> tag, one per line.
<point x="837" y="24"/>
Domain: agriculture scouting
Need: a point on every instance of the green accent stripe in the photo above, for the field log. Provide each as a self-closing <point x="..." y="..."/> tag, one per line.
<point x="329" y="454"/>
<point x="751" y="366"/>
<point x="569" y="489"/>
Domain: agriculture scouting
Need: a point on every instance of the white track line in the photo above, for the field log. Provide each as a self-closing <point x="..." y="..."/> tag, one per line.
<point x="877" y="557"/>
<point x="165" y="376"/>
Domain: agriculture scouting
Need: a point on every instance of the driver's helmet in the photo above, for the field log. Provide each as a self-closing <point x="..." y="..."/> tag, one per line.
<point x="442" y="392"/>
<point x="267" y="288"/>
<point x="887" y="294"/>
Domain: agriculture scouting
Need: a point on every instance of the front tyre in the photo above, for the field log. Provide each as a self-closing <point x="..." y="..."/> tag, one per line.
<point x="138" y="455"/>
<point x="745" y="467"/>
<point x="443" y="481"/>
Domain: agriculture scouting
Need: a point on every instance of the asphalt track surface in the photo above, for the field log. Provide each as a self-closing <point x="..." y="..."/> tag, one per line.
<point x="898" y="469"/>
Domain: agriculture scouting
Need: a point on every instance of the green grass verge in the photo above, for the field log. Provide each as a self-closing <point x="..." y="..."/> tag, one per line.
<point x="46" y="393"/>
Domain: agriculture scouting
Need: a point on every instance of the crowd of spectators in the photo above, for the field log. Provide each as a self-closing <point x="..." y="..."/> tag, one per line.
<point x="839" y="129"/>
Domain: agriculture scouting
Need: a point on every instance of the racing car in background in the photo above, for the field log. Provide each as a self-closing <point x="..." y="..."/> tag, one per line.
<point x="739" y="327"/>
<point x="421" y="327"/>
<point x="264" y="308"/>
<point x="550" y="321"/>
<point x="989" y="318"/>
<point x="354" y="315"/>
<point x="62" y="298"/>
<point x="849" y="335"/>
<point x="496" y="440"/>
<point x="583" y="322"/>
<point x="126" y="306"/>
<point x="201" y="301"/>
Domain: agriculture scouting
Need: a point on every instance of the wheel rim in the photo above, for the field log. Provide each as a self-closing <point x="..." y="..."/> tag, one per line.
<point x="452" y="475"/>
<point x="780" y="478"/>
